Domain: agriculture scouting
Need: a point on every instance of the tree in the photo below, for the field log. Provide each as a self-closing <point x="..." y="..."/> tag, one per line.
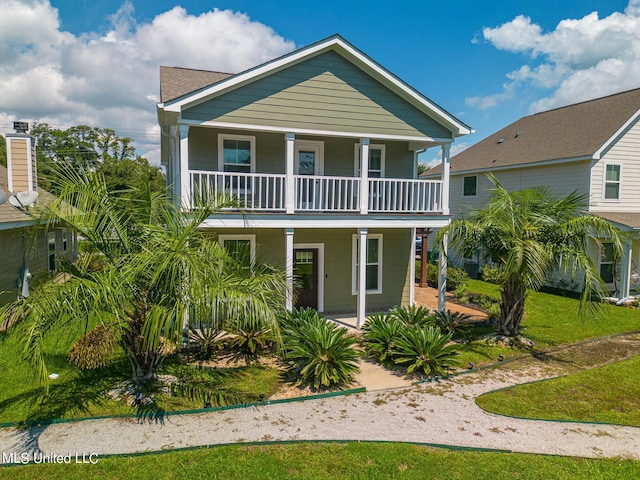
<point x="532" y="234"/>
<point x="92" y="148"/>
<point x="148" y="268"/>
<point x="3" y="151"/>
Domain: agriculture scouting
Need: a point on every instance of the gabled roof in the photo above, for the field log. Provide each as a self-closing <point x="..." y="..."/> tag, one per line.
<point x="222" y="84"/>
<point x="630" y="220"/>
<point x="576" y="132"/>
<point x="10" y="216"/>
<point x="176" y="82"/>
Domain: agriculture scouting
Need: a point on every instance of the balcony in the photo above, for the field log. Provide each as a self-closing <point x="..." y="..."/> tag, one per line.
<point x="262" y="192"/>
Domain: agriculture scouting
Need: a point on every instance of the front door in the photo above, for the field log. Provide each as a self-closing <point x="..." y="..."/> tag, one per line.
<point x="306" y="272"/>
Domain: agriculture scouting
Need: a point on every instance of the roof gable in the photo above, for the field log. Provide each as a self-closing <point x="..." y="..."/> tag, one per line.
<point x="342" y="47"/>
<point x="575" y="132"/>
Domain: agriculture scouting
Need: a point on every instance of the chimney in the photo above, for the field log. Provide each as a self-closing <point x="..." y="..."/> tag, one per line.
<point x="21" y="159"/>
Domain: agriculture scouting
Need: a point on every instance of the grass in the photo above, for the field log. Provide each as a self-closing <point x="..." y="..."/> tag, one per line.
<point x="81" y="394"/>
<point x="357" y="460"/>
<point x="608" y="394"/>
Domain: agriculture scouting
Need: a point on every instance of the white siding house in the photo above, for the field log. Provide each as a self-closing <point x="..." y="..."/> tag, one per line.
<point x="591" y="147"/>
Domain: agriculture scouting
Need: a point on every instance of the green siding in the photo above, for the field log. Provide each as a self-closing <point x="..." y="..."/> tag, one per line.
<point x="397" y="257"/>
<point x="325" y="92"/>
<point x="339" y="153"/>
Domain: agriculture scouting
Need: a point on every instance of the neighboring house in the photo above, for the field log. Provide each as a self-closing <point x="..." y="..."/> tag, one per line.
<point x="287" y="139"/>
<point x="27" y="252"/>
<point x="591" y="147"/>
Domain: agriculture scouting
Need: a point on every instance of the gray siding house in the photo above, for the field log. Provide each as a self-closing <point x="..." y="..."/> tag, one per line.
<point x="319" y="148"/>
<point x="591" y="147"/>
<point x="28" y="254"/>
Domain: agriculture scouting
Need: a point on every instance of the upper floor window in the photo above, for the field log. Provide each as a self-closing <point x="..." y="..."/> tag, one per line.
<point x="376" y="160"/>
<point x="236" y="153"/>
<point x="613" y="174"/>
<point x="470" y="186"/>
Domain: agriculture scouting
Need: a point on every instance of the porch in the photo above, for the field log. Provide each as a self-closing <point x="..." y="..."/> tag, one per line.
<point x="313" y="193"/>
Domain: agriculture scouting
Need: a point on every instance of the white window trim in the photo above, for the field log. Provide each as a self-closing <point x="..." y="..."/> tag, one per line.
<point x="224" y="136"/>
<point x="604" y="183"/>
<point x="251" y="238"/>
<point x="354" y="263"/>
<point x="374" y="146"/>
<point x="610" y="262"/>
<point x="470" y="176"/>
<point x="311" y="145"/>
<point x="65" y="242"/>
<point x="320" y="247"/>
<point x="50" y="236"/>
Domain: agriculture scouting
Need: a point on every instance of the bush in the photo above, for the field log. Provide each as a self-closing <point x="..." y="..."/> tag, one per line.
<point x="412" y="316"/>
<point x="492" y="274"/>
<point x="380" y="333"/>
<point x="249" y="339"/>
<point x="207" y="341"/>
<point x="456" y="277"/>
<point x="319" y="352"/>
<point x="426" y="349"/>
<point x="453" y="323"/>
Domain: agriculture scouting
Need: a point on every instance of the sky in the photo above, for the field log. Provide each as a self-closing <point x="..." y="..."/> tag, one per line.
<point x="95" y="62"/>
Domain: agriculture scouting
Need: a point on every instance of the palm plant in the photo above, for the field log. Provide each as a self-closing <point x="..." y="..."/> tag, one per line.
<point x="380" y="334"/>
<point x="158" y="268"/>
<point x="531" y="234"/>
<point x="320" y="352"/>
<point x="414" y="315"/>
<point x="426" y="349"/>
<point x="451" y="322"/>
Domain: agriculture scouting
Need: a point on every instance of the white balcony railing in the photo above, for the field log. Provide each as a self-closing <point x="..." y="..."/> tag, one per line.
<point x="327" y="194"/>
<point x="267" y="192"/>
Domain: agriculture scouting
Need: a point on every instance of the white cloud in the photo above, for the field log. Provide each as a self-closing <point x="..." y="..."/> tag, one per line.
<point x="111" y="80"/>
<point x="579" y="60"/>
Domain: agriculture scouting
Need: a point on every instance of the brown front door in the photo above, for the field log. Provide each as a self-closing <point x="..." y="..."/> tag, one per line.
<point x="306" y="271"/>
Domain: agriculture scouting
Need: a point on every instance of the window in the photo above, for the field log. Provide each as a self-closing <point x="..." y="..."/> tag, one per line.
<point x="64" y="241"/>
<point x="607" y="263"/>
<point x="470" y="186"/>
<point x="236" y="153"/>
<point x="376" y="161"/>
<point x="374" y="264"/>
<point x="51" y="251"/>
<point x="612" y="181"/>
<point x="242" y="247"/>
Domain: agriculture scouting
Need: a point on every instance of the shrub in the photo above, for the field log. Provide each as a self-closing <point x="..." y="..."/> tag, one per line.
<point x="249" y="338"/>
<point x="380" y="333"/>
<point x="95" y="350"/>
<point x="453" y="323"/>
<point x="319" y="352"/>
<point x="412" y="315"/>
<point x="492" y="274"/>
<point x="456" y="277"/>
<point x="208" y="341"/>
<point x="426" y="349"/>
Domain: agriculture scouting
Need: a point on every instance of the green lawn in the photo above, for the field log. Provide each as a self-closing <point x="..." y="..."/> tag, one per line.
<point x="608" y="394"/>
<point x="78" y="394"/>
<point x="358" y="460"/>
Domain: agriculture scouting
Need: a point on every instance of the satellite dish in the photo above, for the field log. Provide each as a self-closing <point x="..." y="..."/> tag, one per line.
<point x="23" y="199"/>
<point x="3" y="196"/>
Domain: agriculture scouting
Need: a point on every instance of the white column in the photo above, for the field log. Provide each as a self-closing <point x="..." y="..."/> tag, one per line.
<point x="185" y="177"/>
<point x="290" y="195"/>
<point x="446" y="164"/>
<point x="442" y="274"/>
<point x="625" y="270"/>
<point x="362" y="276"/>
<point x="289" y="267"/>
<point x="364" y="176"/>
<point x="412" y="268"/>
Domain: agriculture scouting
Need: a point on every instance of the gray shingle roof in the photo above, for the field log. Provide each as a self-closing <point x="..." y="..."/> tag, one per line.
<point x="176" y="81"/>
<point x="630" y="219"/>
<point x="570" y="132"/>
<point x="11" y="214"/>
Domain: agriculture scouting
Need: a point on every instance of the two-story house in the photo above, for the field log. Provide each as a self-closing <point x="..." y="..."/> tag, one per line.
<point x="591" y="147"/>
<point x="319" y="148"/>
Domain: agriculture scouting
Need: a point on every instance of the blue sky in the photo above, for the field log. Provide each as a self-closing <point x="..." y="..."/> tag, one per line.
<point x="488" y="63"/>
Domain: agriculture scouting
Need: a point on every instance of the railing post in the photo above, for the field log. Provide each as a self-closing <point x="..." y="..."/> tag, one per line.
<point x="364" y="176"/>
<point x="290" y="195"/>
